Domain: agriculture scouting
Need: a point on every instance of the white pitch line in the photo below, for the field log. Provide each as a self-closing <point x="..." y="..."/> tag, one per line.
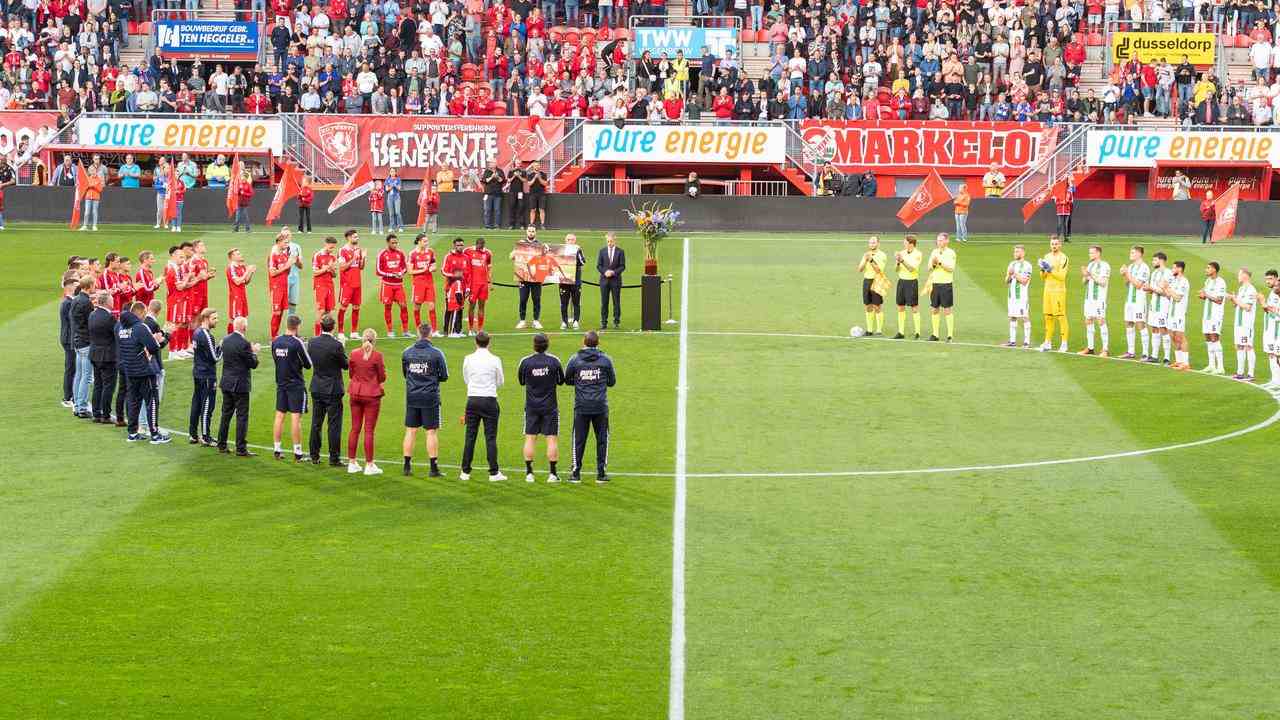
<point x="675" y="706"/>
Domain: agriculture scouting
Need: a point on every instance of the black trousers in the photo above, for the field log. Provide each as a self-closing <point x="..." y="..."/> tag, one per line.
<point x="1064" y="226"/>
<point x="104" y="386"/>
<point x="304" y="219"/>
<point x="143" y="401"/>
<point x="330" y="406"/>
<point x="204" y="398"/>
<point x="68" y="371"/>
<point x="122" y="383"/>
<point x="453" y="318"/>
<point x="516" y="205"/>
<point x="234" y="403"/>
<point x="1208" y="231"/>
<point x="582" y="424"/>
<point x="610" y="288"/>
<point x="481" y="409"/>
<point x="531" y="290"/>
<point x="570" y="295"/>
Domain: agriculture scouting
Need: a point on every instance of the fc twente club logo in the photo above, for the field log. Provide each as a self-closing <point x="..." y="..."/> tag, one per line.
<point x="338" y="141"/>
<point x="924" y="199"/>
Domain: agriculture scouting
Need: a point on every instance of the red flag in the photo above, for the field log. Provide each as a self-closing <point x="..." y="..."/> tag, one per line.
<point x="1056" y="191"/>
<point x="82" y="184"/>
<point x="424" y="193"/>
<point x="171" y="197"/>
<point x="360" y="183"/>
<point x="1224" y="209"/>
<point x="288" y="189"/>
<point x="233" y="187"/>
<point x="931" y="193"/>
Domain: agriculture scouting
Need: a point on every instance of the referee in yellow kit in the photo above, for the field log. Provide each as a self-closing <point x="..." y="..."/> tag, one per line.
<point x="942" y="268"/>
<point x="872" y="268"/>
<point x="907" y="267"/>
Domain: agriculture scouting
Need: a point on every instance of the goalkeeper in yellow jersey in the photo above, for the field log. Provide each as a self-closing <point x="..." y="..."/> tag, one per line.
<point x="1053" y="271"/>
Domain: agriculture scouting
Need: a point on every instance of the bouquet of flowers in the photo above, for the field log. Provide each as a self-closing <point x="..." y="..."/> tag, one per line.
<point x="653" y="222"/>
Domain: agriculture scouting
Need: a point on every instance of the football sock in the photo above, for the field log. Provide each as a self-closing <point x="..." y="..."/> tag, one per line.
<point x="880" y="321"/>
<point x="1088" y="335"/>
<point x="915" y="317"/>
<point x="1215" y="355"/>
<point x="317" y="330"/>
<point x="386" y="316"/>
<point x="871" y="322"/>
<point x="1180" y="356"/>
<point x="355" y="319"/>
<point x="951" y="325"/>
<point x="1026" y="331"/>
<point x="275" y="325"/>
<point x="1106" y="337"/>
<point x="434" y="466"/>
<point x="278" y="447"/>
<point x="1274" y="364"/>
<point x="1167" y="340"/>
<point x="902" y="321"/>
<point x="1146" y="342"/>
<point x="1062" y="328"/>
<point x="417" y="317"/>
<point x="1253" y="361"/>
<point x="480" y="319"/>
<point x="553" y="465"/>
<point x="471" y="318"/>
<point x="1129" y="334"/>
<point x="404" y="319"/>
<point x="935" y="321"/>
<point x="408" y="464"/>
<point x="297" y="449"/>
<point x="1048" y="329"/>
<point x="431" y="315"/>
<point x="342" y="320"/>
<point x="1013" y="331"/>
<point x="1240" y="369"/>
<point x="528" y="466"/>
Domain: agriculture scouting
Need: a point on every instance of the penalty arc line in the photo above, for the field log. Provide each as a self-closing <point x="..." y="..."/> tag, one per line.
<point x="675" y="706"/>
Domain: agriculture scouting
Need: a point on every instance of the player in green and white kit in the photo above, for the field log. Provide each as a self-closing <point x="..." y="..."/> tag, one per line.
<point x="1246" y="302"/>
<point x="1271" y="328"/>
<point x="1158" y="309"/>
<point x="1179" y="299"/>
<point x="1136" y="274"/>
<point x="1097" y="278"/>
<point x="1018" y="277"/>
<point x="1214" y="296"/>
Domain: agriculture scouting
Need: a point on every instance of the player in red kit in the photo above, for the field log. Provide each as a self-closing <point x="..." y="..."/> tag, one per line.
<point x="324" y="268"/>
<point x="351" y="260"/>
<point x="238" y="277"/>
<point x="278" y="263"/>
<point x="176" y="299"/>
<point x="391" y="267"/>
<point x="111" y="280"/>
<point x="145" y="283"/>
<point x="454" y="271"/>
<point x="200" y="275"/>
<point x="479" y="262"/>
<point x="126" y="290"/>
<point x="422" y="266"/>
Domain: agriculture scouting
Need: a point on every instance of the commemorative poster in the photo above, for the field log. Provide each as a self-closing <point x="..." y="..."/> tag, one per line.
<point x="545" y="264"/>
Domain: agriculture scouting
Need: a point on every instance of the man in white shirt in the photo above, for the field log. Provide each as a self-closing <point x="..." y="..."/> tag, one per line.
<point x="482" y="373"/>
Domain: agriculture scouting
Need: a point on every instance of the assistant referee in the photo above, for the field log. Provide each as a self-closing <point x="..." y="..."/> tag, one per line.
<point x="907" y="267"/>
<point x="872" y="267"/>
<point x="942" y="268"/>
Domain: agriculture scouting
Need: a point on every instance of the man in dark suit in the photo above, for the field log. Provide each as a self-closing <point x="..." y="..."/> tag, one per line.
<point x="239" y="358"/>
<point x="102" y="353"/>
<point x="69" y="285"/>
<point x="611" y="263"/>
<point x="328" y="360"/>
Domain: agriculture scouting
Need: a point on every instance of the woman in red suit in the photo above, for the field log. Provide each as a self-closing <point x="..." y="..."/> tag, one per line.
<point x="368" y="373"/>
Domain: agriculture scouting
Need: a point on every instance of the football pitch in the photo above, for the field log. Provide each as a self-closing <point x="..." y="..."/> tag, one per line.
<point x="801" y="525"/>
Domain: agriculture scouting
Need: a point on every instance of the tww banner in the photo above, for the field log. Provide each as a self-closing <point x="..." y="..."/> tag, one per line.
<point x="931" y="193"/>
<point x="357" y="186"/>
<point x="289" y="187"/>
<point x="1224" y="209"/>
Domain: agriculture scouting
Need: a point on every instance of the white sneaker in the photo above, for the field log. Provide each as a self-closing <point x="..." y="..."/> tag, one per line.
<point x="497" y="477"/>
<point x="353" y="467"/>
<point x="390" y="334"/>
<point x="528" y="477"/>
<point x="537" y="325"/>
<point x="95" y="228"/>
<point x="464" y="476"/>
<point x="575" y="324"/>
<point x="67" y="404"/>
<point x="170" y="229"/>
<point x="1208" y="370"/>
<point x="154" y="227"/>
<point x="519" y="326"/>
<point x="342" y="337"/>
<point x="83" y="228"/>
<point x="552" y="479"/>
<point x="1046" y="347"/>
<point x="372" y="469"/>
<point x="1063" y="348"/>
<point x="564" y="326"/>
<point x="436" y="334"/>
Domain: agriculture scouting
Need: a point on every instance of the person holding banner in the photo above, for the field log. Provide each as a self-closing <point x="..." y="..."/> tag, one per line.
<point x="429" y="203"/>
<point x="306" y="196"/>
<point x="571" y="292"/>
<point x="528" y="287"/>
<point x="1209" y="214"/>
<point x="95" y="180"/>
<point x="874" y="285"/>
<point x="479" y="262"/>
<point x="244" y="198"/>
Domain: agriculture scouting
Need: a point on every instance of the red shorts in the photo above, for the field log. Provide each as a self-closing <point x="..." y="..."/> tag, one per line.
<point x="279" y="298"/>
<point x="392" y="294"/>
<point x="350" y="295"/>
<point x="325" y="298"/>
<point x="237" y="307"/>
<point x="424" y="292"/>
<point x="179" y="310"/>
<point x="480" y="291"/>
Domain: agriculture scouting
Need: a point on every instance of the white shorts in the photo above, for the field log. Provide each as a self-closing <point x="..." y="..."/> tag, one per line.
<point x="1244" y="335"/>
<point x="1158" y="320"/>
<point x="1135" y="312"/>
<point x="1095" y="309"/>
<point x="1212" y="326"/>
<point x="1271" y="346"/>
<point x="1177" y="323"/>
<point x="1019" y="308"/>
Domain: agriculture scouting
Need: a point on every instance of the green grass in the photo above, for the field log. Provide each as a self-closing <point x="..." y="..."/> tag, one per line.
<point x="140" y="581"/>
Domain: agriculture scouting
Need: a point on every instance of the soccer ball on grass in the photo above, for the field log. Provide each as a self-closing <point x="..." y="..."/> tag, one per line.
<point x="856" y="331"/>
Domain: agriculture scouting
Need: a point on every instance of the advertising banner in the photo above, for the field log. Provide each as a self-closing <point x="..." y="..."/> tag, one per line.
<point x="689" y="40"/>
<point x="1149" y="47"/>
<point x="191" y="134"/>
<point x="420" y="145"/>
<point x="1218" y="179"/>
<point x="1145" y="148"/>
<point x="207" y="39"/>
<point x="906" y="147"/>
<point x="25" y="132"/>
<point x="545" y="264"/>
<point x="686" y="144"/>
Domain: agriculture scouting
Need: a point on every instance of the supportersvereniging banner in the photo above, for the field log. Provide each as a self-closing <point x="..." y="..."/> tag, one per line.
<point x="1148" y="47"/>
<point x="1145" y="148"/>
<point x="688" y="144"/>
<point x="207" y="39"/>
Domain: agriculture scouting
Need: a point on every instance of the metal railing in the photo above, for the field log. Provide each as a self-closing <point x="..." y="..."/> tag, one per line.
<point x="632" y="186"/>
<point x="306" y="154"/>
<point x="1064" y="158"/>
<point x="1164" y="26"/>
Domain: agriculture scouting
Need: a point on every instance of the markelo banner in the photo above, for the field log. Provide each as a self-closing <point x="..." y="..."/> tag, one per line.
<point x="24" y="132"/>
<point x="207" y="39"/>
<point x="687" y="144"/>
<point x="189" y="134"/>
<point x="545" y="264"/>
<point x="1144" y="148"/>
<point x="692" y="41"/>
<point x="905" y="147"/>
<point x="421" y="145"/>
<point x="1149" y="47"/>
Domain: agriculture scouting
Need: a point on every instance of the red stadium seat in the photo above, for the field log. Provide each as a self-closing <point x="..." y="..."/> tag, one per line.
<point x="1243" y="41"/>
<point x="499" y="108"/>
<point x="589" y="38"/>
<point x="144" y="28"/>
<point x="748" y="36"/>
<point x="556" y="33"/>
<point x="470" y="72"/>
<point x="606" y="34"/>
<point x="482" y="91"/>
<point x="622" y="34"/>
<point x="1227" y="41"/>
<point x="1094" y="39"/>
<point x="572" y="36"/>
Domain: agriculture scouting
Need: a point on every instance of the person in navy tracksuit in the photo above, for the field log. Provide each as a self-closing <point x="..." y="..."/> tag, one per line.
<point x="138" y="352"/>
<point x="590" y="372"/>
<point x="204" y="375"/>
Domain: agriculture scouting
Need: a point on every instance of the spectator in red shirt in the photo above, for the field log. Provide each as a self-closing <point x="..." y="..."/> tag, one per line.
<point x="245" y="194"/>
<point x="306" y="195"/>
<point x="1209" y="214"/>
<point x="722" y="105"/>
